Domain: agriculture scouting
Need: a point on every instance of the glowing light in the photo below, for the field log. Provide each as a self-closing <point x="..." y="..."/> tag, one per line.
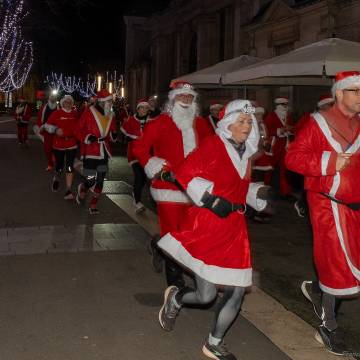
<point x="99" y="79"/>
<point x="122" y="92"/>
<point x="54" y="92"/>
<point x="110" y="87"/>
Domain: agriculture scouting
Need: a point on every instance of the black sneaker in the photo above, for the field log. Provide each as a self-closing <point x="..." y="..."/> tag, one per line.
<point x="332" y="340"/>
<point x="94" y="211"/>
<point x="300" y="208"/>
<point x="312" y="292"/>
<point x="217" y="352"/>
<point x="169" y="310"/>
<point x="157" y="260"/>
<point x="55" y="184"/>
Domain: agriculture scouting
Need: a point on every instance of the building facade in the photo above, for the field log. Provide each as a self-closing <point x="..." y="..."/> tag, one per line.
<point x="192" y="35"/>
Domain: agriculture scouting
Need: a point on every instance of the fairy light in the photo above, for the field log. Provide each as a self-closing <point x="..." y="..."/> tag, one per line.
<point x="16" y="54"/>
<point x="99" y="78"/>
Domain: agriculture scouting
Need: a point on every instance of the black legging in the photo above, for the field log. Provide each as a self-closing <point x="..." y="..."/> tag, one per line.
<point x="139" y="180"/>
<point x="64" y="157"/>
<point x="205" y="293"/>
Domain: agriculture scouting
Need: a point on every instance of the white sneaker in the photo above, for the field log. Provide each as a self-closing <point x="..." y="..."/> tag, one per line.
<point x="139" y="207"/>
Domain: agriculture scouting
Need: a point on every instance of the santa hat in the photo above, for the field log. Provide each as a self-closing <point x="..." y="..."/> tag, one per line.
<point x="281" y="100"/>
<point x="214" y="104"/>
<point x="229" y="116"/>
<point x="65" y="98"/>
<point x="21" y="98"/>
<point x="181" y="87"/>
<point x="103" y="95"/>
<point x="325" y="99"/>
<point x="142" y="102"/>
<point x="346" y="79"/>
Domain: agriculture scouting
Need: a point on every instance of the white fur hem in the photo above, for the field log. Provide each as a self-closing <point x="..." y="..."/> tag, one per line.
<point x="197" y="188"/>
<point x="252" y="199"/>
<point x="168" y="195"/>
<point x="154" y="166"/>
<point x="211" y="273"/>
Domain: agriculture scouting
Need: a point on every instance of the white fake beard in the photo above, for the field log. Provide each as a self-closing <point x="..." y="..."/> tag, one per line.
<point x="183" y="116"/>
<point x="51" y="105"/>
<point x="281" y="112"/>
<point x="20" y="109"/>
<point x="107" y="109"/>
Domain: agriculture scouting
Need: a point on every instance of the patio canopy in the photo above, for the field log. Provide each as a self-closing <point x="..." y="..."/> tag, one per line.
<point x="313" y="64"/>
<point x="211" y="76"/>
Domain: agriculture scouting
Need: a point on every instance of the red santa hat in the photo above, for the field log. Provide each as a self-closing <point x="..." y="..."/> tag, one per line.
<point x="21" y="98"/>
<point x="103" y="95"/>
<point x="281" y="100"/>
<point x="325" y="99"/>
<point x="181" y="87"/>
<point x="142" y="102"/>
<point x="346" y="79"/>
<point x="215" y="104"/>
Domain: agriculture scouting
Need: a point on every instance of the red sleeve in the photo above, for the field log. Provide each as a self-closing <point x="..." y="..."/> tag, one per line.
<point x="143" y="146"/>
<point x="80" y="127"/>
<point x="127" y="129"/>
<point x="271" y="124"/>
<point x="305" y="156"/>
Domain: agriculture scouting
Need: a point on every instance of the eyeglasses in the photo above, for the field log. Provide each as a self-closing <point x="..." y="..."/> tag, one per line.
<point x="355" y="91"/>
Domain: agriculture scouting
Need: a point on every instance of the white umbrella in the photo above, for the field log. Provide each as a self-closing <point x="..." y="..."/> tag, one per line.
<point x="211" y="76"/>
<point x="309" y="65"/>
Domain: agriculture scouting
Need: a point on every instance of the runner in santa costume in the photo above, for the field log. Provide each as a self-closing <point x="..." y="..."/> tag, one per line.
<point x="167" y="140"/>
<point x="43" y="115"/>
<point x="96" y="130"/>
<point x="22" y="118"/>
<point x="215" y="108"/>
<point x="327" y="152"/>
<point x="132" y="128"/>
<point x="279" y="126"/>
<point x="213" y="241"/>
<point x="61" y="124"/>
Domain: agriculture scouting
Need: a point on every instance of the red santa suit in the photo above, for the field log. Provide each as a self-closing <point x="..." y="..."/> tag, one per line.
<point x="66" y="121"/>
<point x="278" y="137"/>
<point x="92" y="122"/>
<point x="43" y="115"/>
<point x="215" y="248"/>
<point x="163" y="143"/>
<point x="22" y="118"/>
<point x="212" y="122"/>
<point x="133" y="129"/>
<point x="336" y="227"/>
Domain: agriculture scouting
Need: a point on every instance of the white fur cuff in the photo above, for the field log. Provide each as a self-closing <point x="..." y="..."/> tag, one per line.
<point x="252" y="199"/>
<point x="50" y="128"/>
<point x="197" y="188"/>
<point x="154" y="166"/>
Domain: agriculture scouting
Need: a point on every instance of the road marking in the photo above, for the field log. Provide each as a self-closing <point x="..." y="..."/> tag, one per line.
<point x="287" y="331"/>
<point x="6" y="121"/>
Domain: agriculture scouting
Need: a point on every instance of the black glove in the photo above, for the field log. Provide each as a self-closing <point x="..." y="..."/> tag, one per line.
<point x="92" y="138"/>
<point x="114" y="135"/>
<point x="218" y="205"/>
<point x="266" y="193"/>
<point x="166" y="175"/>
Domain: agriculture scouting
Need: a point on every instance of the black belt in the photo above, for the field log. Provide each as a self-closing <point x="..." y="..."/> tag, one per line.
<point x="352" y="206"/>
<point x="236" y="207"/>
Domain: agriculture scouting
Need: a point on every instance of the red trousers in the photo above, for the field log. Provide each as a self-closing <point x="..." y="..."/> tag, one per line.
<point x="48" y="140"/>
<point x="170" y="216"/>
<point x="22" y="132"/>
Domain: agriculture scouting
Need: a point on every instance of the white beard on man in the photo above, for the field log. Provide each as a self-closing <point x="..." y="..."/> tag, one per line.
<point x="183" y="114"/>
<point x="282" y="111"/>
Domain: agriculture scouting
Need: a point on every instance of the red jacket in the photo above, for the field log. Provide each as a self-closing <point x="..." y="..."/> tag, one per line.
<point x="90" y="124"/>
<point x="133" y="129"/>
<point x="66" y="121"/>
<point x="162" y="142"/>
<point x="43" y="115"/>
<point x="22" y="114"/>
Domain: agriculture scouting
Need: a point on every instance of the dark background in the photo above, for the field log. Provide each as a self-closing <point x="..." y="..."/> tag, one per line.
<point x="81" y="36"/>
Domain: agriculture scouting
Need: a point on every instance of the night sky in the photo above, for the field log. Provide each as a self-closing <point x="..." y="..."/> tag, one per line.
<point x="81" y="36"/>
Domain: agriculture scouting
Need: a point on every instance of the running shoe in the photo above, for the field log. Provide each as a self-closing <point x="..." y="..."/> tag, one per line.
<point x="69" y="195"/>
<point x="332" y="340"/>
<point x="80" y="195"/>
<point x="312" y="292"/>
<point x="169" y="310"/>
<point x="217" y="352"/>
<point x="94" y="211"/>
<point x="55" y="184"/>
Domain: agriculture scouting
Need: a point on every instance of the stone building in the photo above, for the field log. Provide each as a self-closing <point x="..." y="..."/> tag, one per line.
<point x="191" y="35"/>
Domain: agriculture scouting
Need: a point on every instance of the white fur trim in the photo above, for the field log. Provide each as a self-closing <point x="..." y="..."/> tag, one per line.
<point x="154" y="166"/>
<point x="325" y="162"/>
<point x="211" y="273"/>
<point x="252" y="199"/>
<point x="339" y="292"/>
<point x="189" y="140"/>
<point x="143" y="103"/>
<point x="325" y="101"/>
<point x="216" y="106"/>
<point x="127" y="134"/>
<point x="110" y="97"/>
<point x="259" y="110"/>
<point x="50" y="128"/>
<point x="197" y="187"/>
<point x="345" y="83"/>
<point x="168" y="195"/>
<point x="86" y="140"/>
<point x="281" y="100"/>
<point x="263" y="168"/>
<point x="173" y="93"/>
<point x="280" y="132"/>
